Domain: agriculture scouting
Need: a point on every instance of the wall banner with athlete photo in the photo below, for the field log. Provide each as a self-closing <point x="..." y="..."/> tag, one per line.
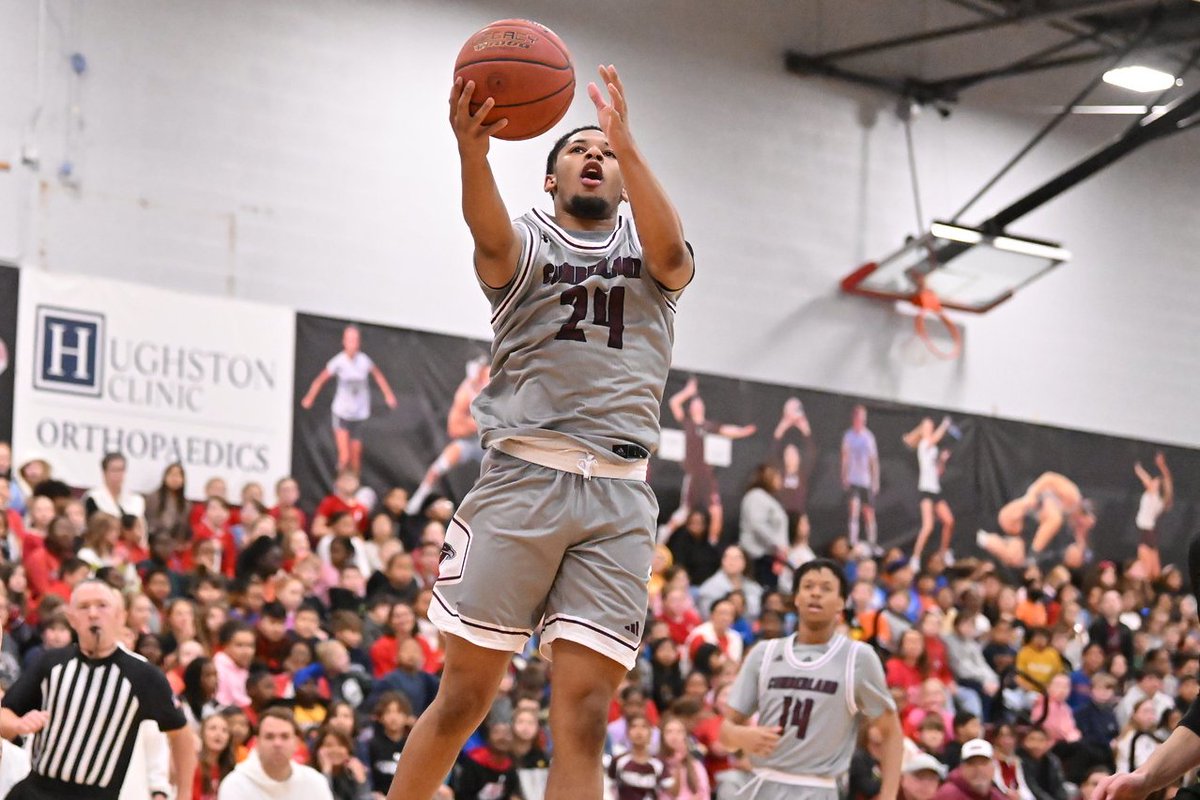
<point x="159" y="376"/>
<point x="10" y="280"/>
<point x="1046" y="488"/>
<point x="388" y="402"/>
<point x="394" y="404"/>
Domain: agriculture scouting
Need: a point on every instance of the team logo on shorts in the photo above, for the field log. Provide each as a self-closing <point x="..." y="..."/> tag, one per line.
<point x="448" y="551"/>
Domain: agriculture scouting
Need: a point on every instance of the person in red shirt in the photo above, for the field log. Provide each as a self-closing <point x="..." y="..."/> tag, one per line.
<point x="214" y="525"/>
<point x="287" y="497"/>
<point x="216" y="759"/>
<point x="680" y="615"/>
<point x="213" y="487"/>
<point x="936" y="659"/>
<point x="43" y="564"/>
<point x="132" y="547"/>
<point x="402" y="626"/>
<point x="272" y="643"/>
<point x="717" y="758"/>
<point x="12" y="516"/>
<point x="344" y="488"/>
<point x="910" y="666"/>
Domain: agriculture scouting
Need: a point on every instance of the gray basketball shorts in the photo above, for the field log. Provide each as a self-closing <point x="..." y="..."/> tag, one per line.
<point x="531" y="545"/>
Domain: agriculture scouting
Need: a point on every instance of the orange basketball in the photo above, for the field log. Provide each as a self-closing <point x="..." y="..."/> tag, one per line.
<point x="526" y="69"/>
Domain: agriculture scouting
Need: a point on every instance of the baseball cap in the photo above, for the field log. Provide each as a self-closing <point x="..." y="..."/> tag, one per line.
<point x="922" y="762"/>
<point x="976" y="748"/>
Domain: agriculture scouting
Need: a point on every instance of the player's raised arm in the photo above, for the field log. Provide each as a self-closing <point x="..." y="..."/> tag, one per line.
<point x="1168" y="482"/>
<point x="680" y="399"/>
<point x="497" y="247"/>
<point x="658" y="224"/>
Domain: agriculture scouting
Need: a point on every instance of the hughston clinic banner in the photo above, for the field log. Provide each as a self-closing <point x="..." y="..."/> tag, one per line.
<point x="10" y="279"/>
<point x="157" y="375"/>
<point x="391" y="400"/>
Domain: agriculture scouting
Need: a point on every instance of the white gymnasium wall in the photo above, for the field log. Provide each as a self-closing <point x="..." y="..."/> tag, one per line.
<point x="297" y="151"/>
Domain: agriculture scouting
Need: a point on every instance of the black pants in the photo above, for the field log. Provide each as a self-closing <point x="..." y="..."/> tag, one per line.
<point x="35" y="787"/>
<point x="27" y="790"/>
<point x="764" y="572"/>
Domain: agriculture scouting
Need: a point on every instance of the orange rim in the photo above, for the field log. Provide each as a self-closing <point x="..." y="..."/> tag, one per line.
<point x="929" y="304"/>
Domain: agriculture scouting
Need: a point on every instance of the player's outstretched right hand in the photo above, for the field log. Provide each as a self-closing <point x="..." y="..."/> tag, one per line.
<point x="1126" y="786"/>
<point x="473" y="136"/>
<point x="32" y="722"/>
<point x="761" y="741"/>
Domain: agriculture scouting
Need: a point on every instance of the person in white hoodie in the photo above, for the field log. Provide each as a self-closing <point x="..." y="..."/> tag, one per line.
<point x="269" y="773"/>
<point x="149" y="774"/>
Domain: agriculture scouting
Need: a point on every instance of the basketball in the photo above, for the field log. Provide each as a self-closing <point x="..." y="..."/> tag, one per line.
<point x="526" y="68"/>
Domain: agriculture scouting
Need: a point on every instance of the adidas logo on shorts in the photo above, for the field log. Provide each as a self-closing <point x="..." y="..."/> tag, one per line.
<point x="634" y="628"/>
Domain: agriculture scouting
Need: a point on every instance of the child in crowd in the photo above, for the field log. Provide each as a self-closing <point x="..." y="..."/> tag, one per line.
<point x="392" y="719"/>
<point x="636" y="774"/>
<point x="488" y="771"/>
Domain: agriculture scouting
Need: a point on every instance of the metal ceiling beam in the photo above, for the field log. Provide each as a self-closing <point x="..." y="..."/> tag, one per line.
<point x="955" y="84"/>
<point x="1110" y="39"/>
<point x="1179" y="116"/>
<point x="798" y="63"/>
<point x="1147" y="27"/>
<point x="1044" y="15"/>
<point x="948" y="87"/>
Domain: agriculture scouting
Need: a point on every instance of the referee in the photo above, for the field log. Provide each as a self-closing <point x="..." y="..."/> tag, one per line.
<point x="85" y="703"/>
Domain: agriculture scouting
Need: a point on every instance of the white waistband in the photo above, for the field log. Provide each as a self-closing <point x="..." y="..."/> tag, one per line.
<point x="812" y="781"/>
<point x="572" y="460"/>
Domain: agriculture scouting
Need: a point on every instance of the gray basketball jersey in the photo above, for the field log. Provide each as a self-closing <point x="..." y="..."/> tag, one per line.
<point x="582" y="343"/>
<point x="816" y="694"/>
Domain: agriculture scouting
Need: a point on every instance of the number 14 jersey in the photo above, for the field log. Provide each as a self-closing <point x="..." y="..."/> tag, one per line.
<point x="816" y="694"/>
<point x="582" y="343"/>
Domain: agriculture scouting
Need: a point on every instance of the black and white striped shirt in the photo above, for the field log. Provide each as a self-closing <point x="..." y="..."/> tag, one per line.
<point x="95" y="707"/>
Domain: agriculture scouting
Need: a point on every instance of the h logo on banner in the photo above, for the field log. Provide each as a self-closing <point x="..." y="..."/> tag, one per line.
<point x="70" y="351"/>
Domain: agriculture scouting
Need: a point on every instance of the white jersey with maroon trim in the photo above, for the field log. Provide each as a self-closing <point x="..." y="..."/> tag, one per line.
<point x="816" y="694"/>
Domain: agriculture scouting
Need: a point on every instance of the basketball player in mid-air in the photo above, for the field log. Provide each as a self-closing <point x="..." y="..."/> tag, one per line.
<point x="559" y="529"/>
<point x="462" y="429"/>
<point x="810" y="691"/>
<point x="1052" y="501"/>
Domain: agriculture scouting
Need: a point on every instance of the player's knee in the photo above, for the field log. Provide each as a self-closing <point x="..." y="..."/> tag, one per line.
<point x="586" y="719"/>
<point x="456" y="712"/>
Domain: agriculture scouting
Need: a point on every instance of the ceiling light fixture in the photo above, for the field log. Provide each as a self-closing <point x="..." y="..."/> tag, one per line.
<point x="1140" y="78"/>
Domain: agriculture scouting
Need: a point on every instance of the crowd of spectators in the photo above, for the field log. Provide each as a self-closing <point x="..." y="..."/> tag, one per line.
<point x="1013" y="685"/>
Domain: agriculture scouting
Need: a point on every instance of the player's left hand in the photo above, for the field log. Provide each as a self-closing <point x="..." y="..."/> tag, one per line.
<point x="761" y="741"/>
<point x="390" y="400"/>
<point x="613" y="114"/>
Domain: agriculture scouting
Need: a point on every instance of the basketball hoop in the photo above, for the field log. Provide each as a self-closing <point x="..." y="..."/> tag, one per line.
<point x="954" y="268"/>
<point x="928" y="304"/>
